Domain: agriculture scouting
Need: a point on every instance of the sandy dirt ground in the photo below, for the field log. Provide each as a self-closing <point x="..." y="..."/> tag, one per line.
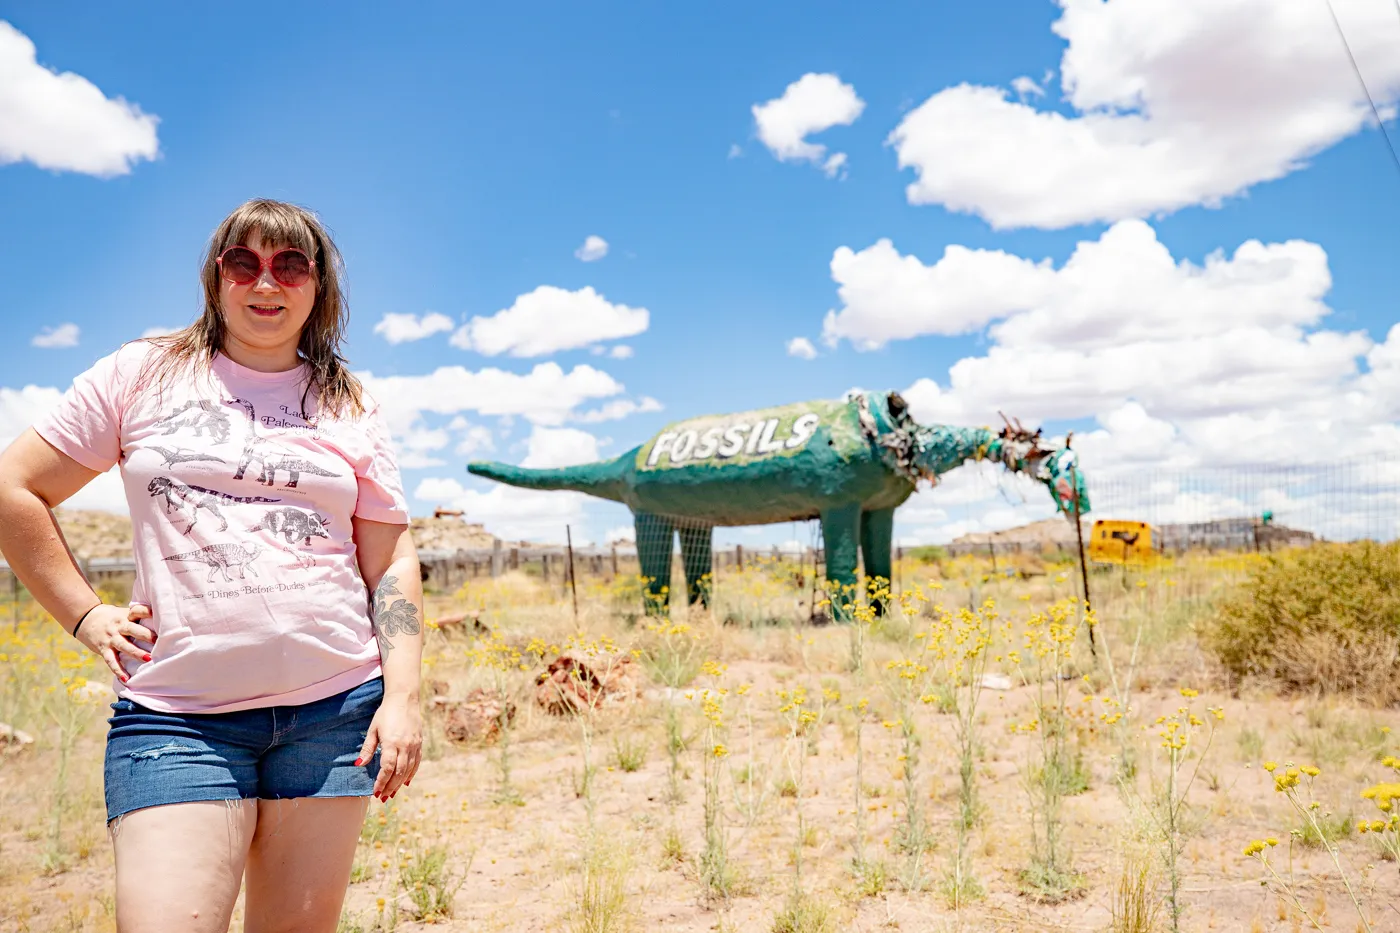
<point x="526" y="864"/>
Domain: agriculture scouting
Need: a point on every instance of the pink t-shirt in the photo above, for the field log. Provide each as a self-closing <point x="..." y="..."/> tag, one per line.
<point x="240" y="514"/>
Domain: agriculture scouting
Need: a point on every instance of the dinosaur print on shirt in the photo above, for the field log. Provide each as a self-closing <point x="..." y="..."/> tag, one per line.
<point x="181" y="455"/>
<point x="220" y="558"/>
<point x="293" y="523"/>
<point x="201" y="418"/>
<point x="178" y="496"/>
<point x="271" y="457"/>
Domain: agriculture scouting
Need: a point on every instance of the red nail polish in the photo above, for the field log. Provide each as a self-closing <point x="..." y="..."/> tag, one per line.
<point x="408" y="782"/>
<point x="124" y="678"/>
<point x="145" y="657"/>
<point x="359" y="761"/>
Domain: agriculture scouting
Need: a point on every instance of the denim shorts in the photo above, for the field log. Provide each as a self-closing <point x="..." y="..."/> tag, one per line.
<point x="156" y="758"/>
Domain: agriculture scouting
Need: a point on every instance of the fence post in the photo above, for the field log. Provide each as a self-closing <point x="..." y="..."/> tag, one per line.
<point x="738" y="557"/>
<point x="573" y="587"/>
<point x="1083" y="567"/>
<point x="544" y="567"/>
<point x="496" y="558"/>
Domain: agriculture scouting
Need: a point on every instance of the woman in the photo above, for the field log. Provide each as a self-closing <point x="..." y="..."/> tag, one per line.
<point x="263" y="696"/>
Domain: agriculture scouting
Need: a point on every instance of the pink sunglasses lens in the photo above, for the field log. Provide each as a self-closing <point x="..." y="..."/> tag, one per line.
<point x="291" y="267"/>
<point x="240" y="265"/>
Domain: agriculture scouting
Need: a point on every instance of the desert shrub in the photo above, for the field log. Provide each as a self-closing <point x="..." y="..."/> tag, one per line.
<point x="1324" y="618"/>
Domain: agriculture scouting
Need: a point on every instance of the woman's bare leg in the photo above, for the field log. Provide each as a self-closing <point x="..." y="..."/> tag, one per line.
<point x="299" y="863"/>
<point x="179" y="866"/>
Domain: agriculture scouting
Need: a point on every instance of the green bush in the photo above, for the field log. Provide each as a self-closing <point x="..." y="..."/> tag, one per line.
<point x="1324" y="618"/>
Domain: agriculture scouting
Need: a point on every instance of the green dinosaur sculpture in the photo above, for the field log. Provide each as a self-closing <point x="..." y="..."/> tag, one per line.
<point x="848" y="463"/>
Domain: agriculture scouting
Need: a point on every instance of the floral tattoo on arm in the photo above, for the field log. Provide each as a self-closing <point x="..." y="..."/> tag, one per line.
<point x="391" y="617"/>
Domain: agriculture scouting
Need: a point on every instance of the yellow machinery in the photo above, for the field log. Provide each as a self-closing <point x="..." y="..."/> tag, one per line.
<point x="1118" y="542"/>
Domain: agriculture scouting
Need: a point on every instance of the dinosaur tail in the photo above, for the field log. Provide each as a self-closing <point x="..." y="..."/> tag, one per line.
<point x="605" y="479"/>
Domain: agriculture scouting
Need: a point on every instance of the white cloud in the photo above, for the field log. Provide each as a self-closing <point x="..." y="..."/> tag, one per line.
<point x="158" y="331"/>
<point x="802" y="348"/>
<point x="438" y="488"/>
<point x="525" y="514"/>
<point x="621" y="352"/>
<point x="1182" y="366"/>
<point x="401" y="328"/>
<point x="1085" y="304"/>
<point x="811" y="104"/>
<point x="622" y="534"/>
<point x="417" y="460"/>
<point x="510" y="513"/>
<point x="735" y="151"/>
<point x="415" y="447"/>
<point x="20" y="408"/>
<point x="593" y="248"/>
<point x="477" y="440"/>
<point x="618" y="409"/>
<point x="56" y="338"/>
<point x="544" y="395"/>
<point x="887" y="296"/>
<point x="1026" y="87"/>
<point x="1176" y="103"/>
<point x="548" y="320"/>
<point x="975" y="497"/>
<point x="63" y="122"/>
<point x="559" y="447"/>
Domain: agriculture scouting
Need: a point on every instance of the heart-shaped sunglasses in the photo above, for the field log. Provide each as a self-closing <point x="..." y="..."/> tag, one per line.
<point x="241" y="266"/>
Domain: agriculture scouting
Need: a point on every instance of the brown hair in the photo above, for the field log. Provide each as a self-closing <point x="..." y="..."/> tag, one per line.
<point x="337" y="391"/>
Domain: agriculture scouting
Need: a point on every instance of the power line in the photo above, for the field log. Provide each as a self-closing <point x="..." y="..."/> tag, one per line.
<point x="1364" y="89"/>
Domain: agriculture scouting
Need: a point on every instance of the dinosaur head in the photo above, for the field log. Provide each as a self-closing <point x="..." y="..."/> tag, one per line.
<point x="1067" y="486"/>
<point x="1055" y="466"/>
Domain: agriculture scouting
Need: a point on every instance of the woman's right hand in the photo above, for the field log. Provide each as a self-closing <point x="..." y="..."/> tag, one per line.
<point x="111" y="629"/>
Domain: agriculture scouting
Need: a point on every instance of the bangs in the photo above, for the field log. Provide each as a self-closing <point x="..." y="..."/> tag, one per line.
<point x="278" y="224"/>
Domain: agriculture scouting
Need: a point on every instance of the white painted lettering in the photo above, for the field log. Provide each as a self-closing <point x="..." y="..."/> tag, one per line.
<point x="733" y="439"/>
<point x="761" y="439"/>
<point x="685" y="443"/>
<point x="752" y="446"/>
<point x="803" y="429"/>
<point x="709" y="443"/>
<point x="662" y="444"/>
<point x="766" y="444"/>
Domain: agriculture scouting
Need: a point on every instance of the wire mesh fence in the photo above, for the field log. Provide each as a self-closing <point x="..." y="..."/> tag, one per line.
<point x="679" y="564"/>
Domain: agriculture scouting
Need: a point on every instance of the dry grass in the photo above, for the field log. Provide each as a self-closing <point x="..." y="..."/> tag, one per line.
<point x="535" y="866"/>
<point x="1321" y="619"/>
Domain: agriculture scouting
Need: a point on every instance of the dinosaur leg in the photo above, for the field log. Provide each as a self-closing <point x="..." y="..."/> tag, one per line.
<point x="840" y="538"/>
<point x="876" y="536"/>
<point x="695" y="553"/>
<point x="654" y="537"/>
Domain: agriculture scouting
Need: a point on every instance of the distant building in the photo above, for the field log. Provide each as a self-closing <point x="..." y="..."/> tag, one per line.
<point x="1229" y="534"/>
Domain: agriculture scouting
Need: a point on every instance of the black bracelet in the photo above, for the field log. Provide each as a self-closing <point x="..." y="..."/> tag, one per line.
<point x="74" y="633"/>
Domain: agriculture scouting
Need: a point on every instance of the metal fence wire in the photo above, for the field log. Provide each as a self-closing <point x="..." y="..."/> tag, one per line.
<point x="679" y="562"/>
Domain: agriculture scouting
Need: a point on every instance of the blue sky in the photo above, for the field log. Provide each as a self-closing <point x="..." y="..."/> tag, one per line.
<point x="462" y="154"/>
